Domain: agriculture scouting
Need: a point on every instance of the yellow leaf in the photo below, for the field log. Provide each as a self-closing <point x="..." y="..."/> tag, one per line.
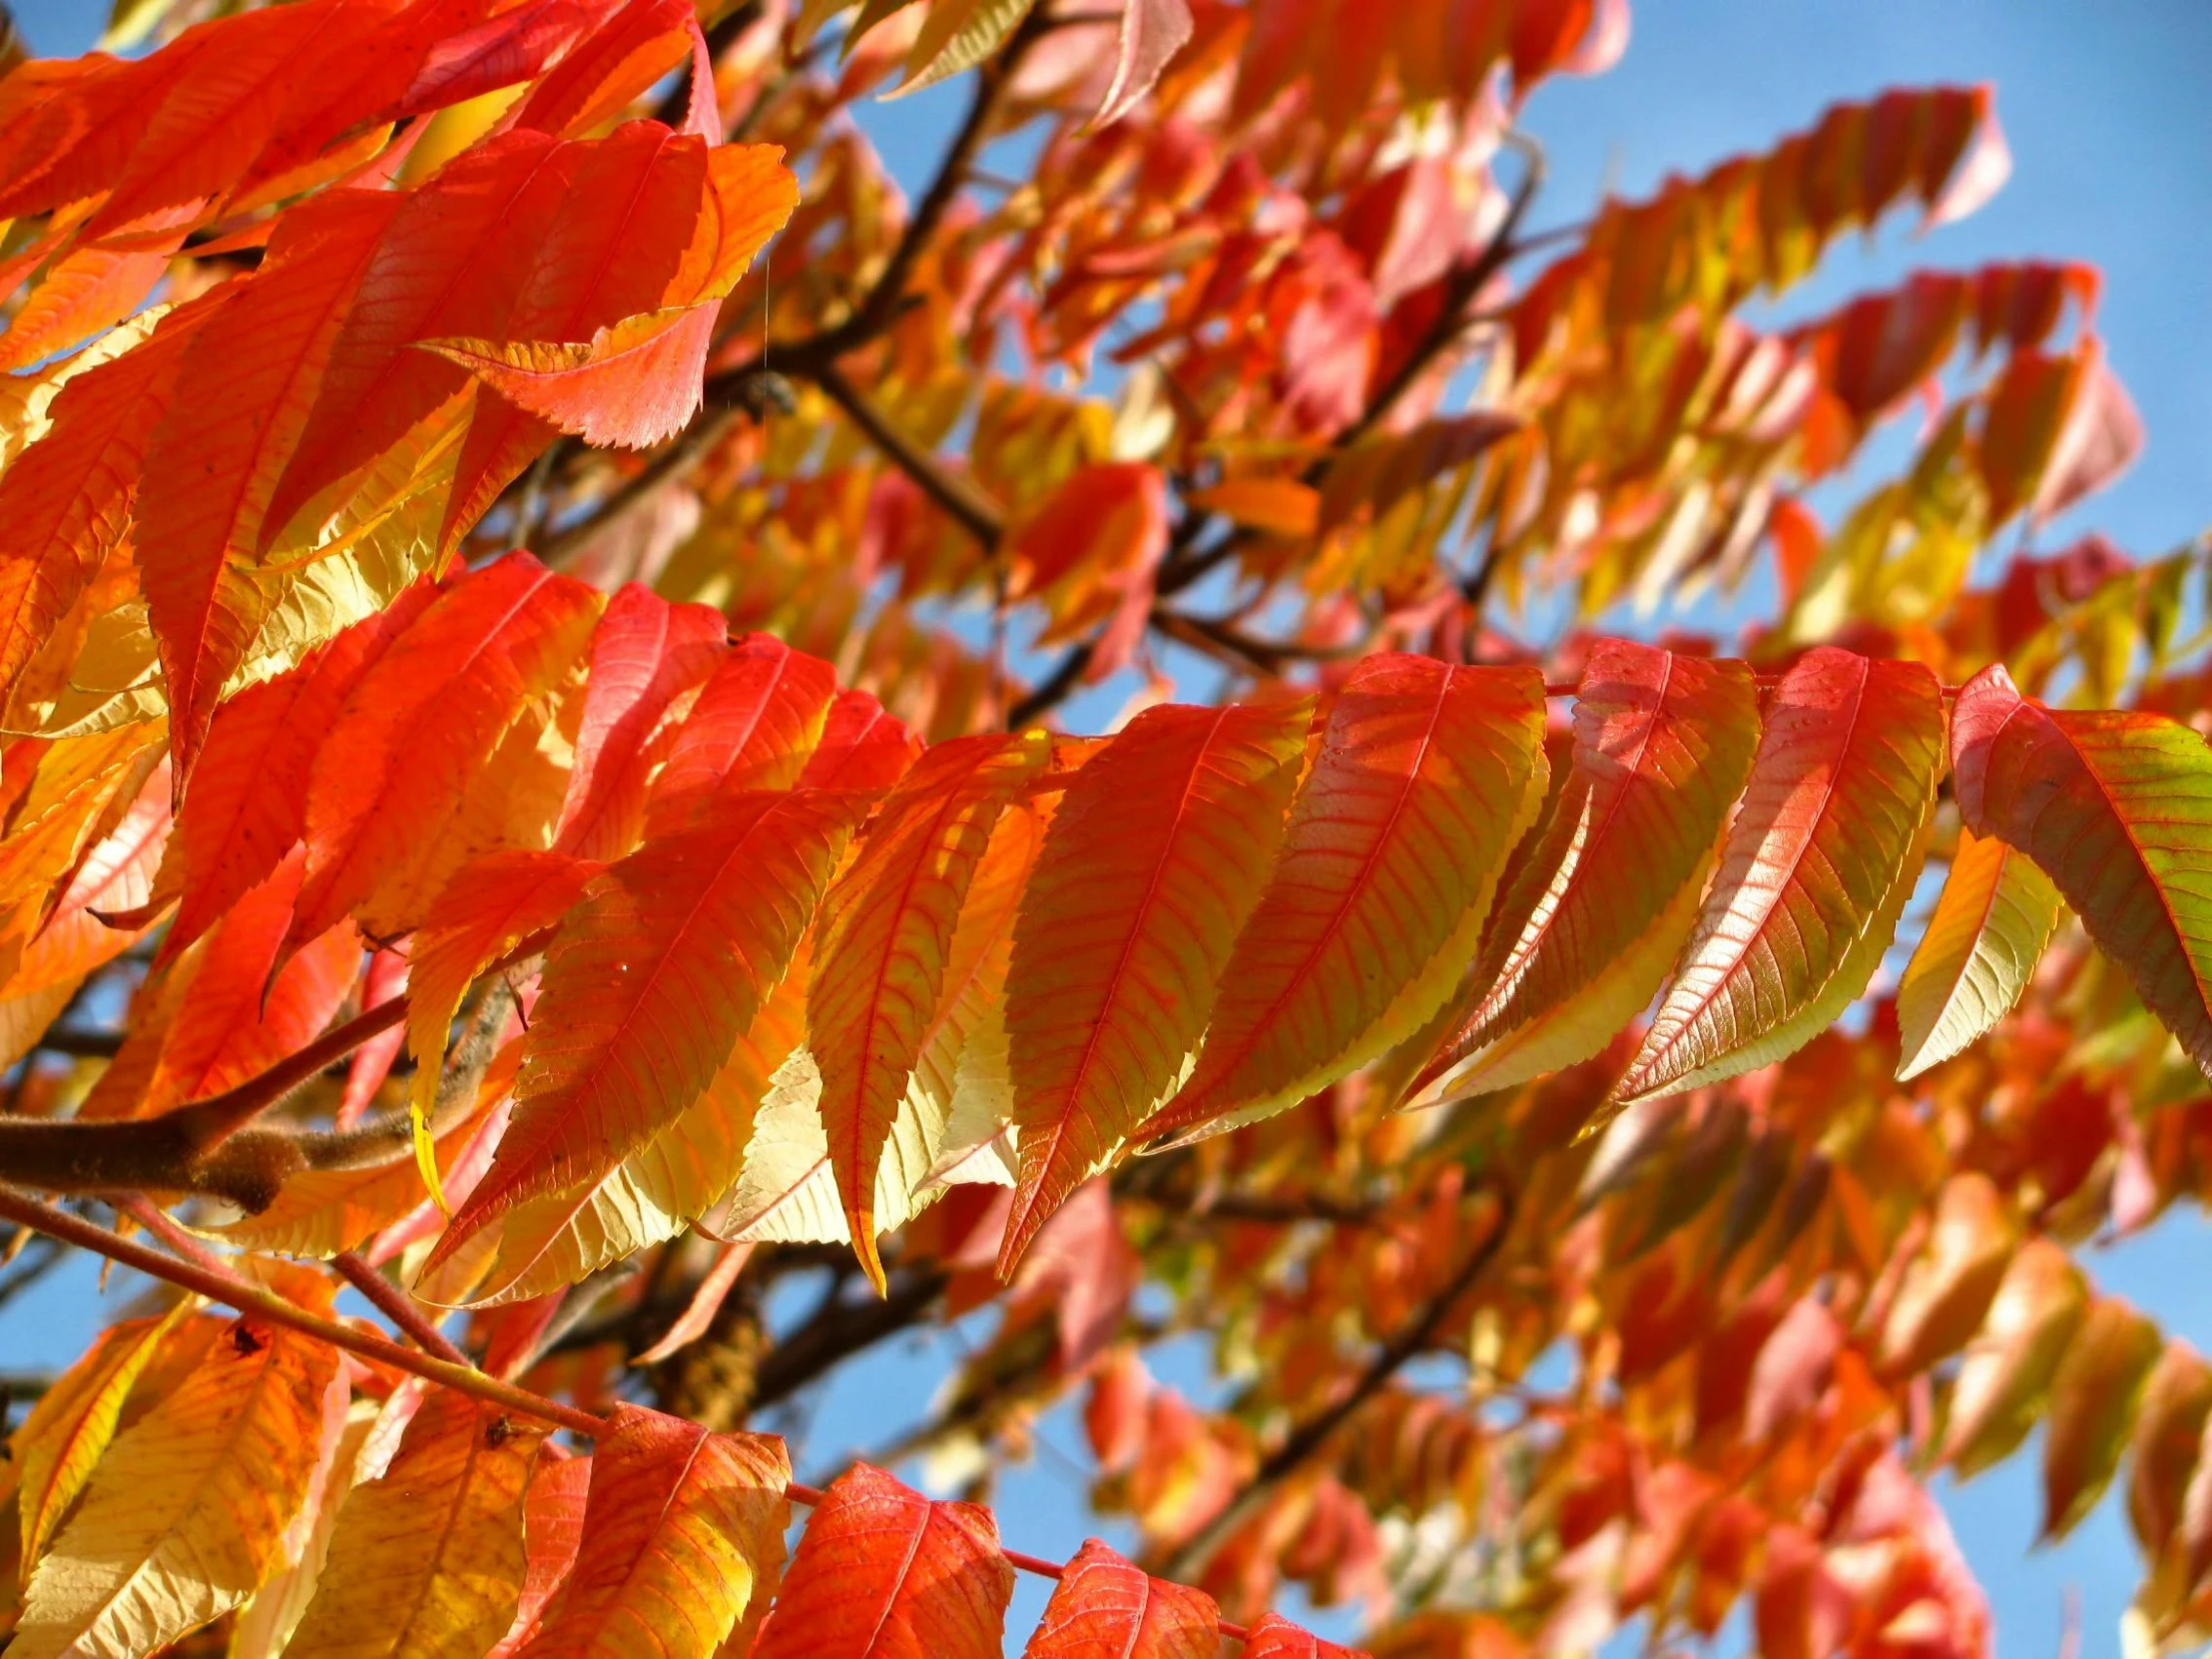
<point x="186" y="1514"/>
<point x="1991" y="924"/>
<point x="427" y="1558"/>
<point x="62" y="1439"/>
<point x="679" y="1527"/>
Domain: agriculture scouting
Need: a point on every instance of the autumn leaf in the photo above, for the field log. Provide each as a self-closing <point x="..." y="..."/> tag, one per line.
<point x="887" y="929"/>
<point x="186" y="1511"/>
<point x="679" y="1527"/>
<point x="427" y="1558"/>
<point x="1155" y="859"/>
<point x="67" y="1431"/>
<point x="1584" y="936"/>
<point x="2004" y="1376"/>
<point x="2093" y="1402"/>
<point x="1815" y="870"/>
<point x="1427" y="776"/>
<point x="644" y="653"/>
<point x="1275" y="1637"/>
<point x="246" y="806"/>
<point x="884" y="1573"/>
<point x="2116" y="808"/>
<point x="1105" y="1607"/>
<point x="256" y="364"/>
<point x="754" y="726"/>
<point x="1991" y="924"/>
<point x="650" y="982"/>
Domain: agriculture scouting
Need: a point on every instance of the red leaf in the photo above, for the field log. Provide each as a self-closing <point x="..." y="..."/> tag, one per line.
<point x="861" y="746"/>
<point x="246" y="806"/>
<point x="1153" y="863"/>
<point x="1275" y="1637"/>
<point x="1585" y="936"/>
<point x="886" y="937"/>
<point x="1816" y="867"/>
<point x="884" y="1573"/>
<point x="753" y="725"/>
<point x="679" y="1526"/>
<point x="1106" y="1608"/>
<point x="644" y="654"/>
<point x="1426" y="778"/>
<point x="1151" y="33"/>
<point x="254" y="370"/>
<point x="394" y="768"/>
<point x="66" y="501"/>
<point x="649" y="984"/>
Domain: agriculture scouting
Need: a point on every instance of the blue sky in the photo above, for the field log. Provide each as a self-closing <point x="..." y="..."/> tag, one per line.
<point x="2104" y="106"/>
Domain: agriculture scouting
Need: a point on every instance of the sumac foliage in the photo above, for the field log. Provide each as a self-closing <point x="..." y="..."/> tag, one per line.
<point x="538" y="788"/>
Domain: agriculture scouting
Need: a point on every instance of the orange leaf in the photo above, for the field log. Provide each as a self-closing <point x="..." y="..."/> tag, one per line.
<point x="246" y="806"/>
<point x="552" y="1531"/>
<point x="1816" y="865"/>
<point x="66" y="501"/>
<point x="884" y="1573"/>
<point x="428" y="1557"/>
<point x="1426" y="778"/>
<point x="2116" y="807"/>
<point x="680" y="1528"/>
<point x="1105" y="1608"/>
<point x="2092" y="1408"/>
<point x="1584" y="936"/>
<point x="1154" y="862"/>
<point x="756" y="720"/>
<point x="254" y="370"/>
<point x="644" y="654"/>
<point x="1275" y="1637"/>
<point x="394" y="768"/>
<point x="878" y="973"/>
<point x="651" y="981"/>
<point x="490" y="907"/>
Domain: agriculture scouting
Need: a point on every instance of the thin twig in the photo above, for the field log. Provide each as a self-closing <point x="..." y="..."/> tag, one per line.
<point x="395" y="1305"/>
<point x="254" y="1299"/>
<point x="670" y="463"/>
<point x="954" y="495"/>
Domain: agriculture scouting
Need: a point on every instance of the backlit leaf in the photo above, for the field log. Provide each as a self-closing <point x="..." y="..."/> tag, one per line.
<point x="1105" y="1608"/>
<point x="2092" y="1406"/>
<point x="651" y="981"/>
<point x="679" y="1527"/>
<point x="427" y="1558"/>
<point x="1156" y="858"/>
<point x="1584" y="936"/>
<point x="1991" y="924"/>
<point x="883" y="1572"/>
<point x="887" y="929"/>
<point x="186" y="1513"/>
<point x="62" y="1439"/>
<point x="2116" y="808"/>
<point x="1813" y="875"/>
<point x="1426" y="778"/>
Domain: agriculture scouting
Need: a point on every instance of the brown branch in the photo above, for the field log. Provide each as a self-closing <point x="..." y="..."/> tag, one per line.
<point x="1056" y="688"/>
<point x="672" y="462"/>
<point x="1312" y="1435"/>
<point x="957" y="498"/>
<point x="254" y="1299"/>
<point x="395" y="1305"/>
<point x="880" y="307"/>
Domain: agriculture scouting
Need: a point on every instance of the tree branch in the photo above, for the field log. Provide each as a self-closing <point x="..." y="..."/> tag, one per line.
<point x="254" y="1299"/>
<point x="958" y="499"/>
<point x="1312" y="1435"/>
<point x="395" y="1305"/>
